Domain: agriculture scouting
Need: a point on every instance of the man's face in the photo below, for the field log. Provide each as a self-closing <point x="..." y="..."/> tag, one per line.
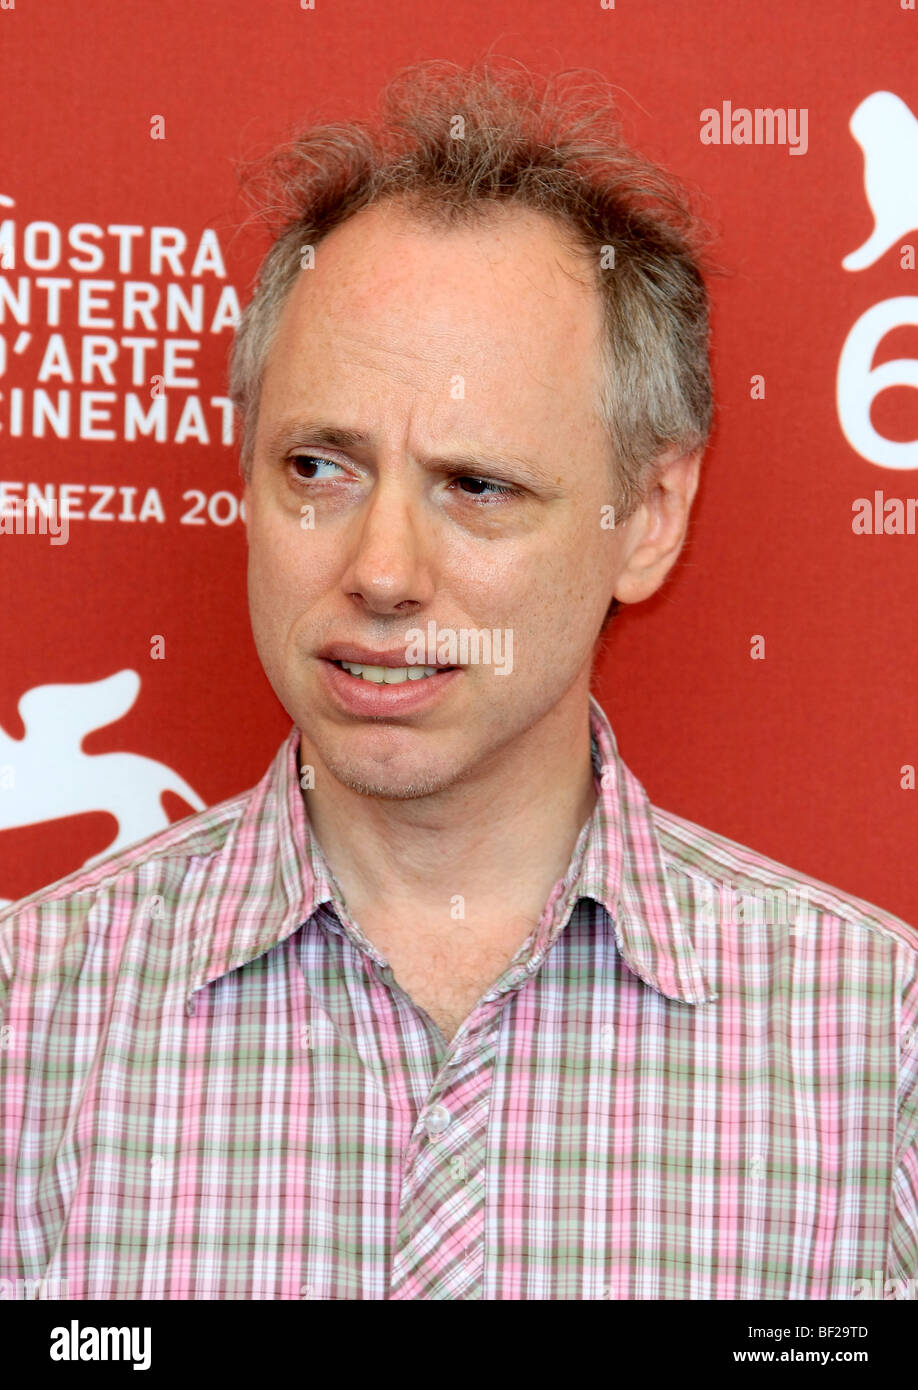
<point x="447" y="350"/>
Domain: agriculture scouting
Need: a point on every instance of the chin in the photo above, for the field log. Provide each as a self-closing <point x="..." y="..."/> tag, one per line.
<point x="384" y="767"/>
<point x="389" y="786"/>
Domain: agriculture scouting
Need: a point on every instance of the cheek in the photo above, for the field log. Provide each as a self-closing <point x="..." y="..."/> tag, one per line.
<point x="285" y="562"/>
<point x="563" y="575"/>
<point x="566" y="594"/>
<point x="265" y="569"/>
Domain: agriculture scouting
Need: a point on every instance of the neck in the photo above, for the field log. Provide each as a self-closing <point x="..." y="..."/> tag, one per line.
<point x="501" y="837"/>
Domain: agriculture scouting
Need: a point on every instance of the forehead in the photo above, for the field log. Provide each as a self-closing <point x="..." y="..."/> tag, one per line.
<point x="386" y="245"/>
<point x="505" y="302"/>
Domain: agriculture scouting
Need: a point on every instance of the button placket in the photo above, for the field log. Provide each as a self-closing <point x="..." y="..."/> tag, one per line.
<point x="442" y="1190"/>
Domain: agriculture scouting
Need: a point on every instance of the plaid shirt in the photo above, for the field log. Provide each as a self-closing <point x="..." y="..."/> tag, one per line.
<point x="697" y="1079"/>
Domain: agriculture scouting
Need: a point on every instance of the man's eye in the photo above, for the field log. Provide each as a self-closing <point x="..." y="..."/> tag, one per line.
<point x="307" y="466"/>
<point x="311" y="461"/>
<point x="483" y="487"/>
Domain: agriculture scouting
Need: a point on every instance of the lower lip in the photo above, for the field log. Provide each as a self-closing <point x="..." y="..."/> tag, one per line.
<point x="367" y="698"/>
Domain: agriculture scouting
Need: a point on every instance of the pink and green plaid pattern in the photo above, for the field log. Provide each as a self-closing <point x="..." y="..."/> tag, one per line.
<point x="212" y="1088"/>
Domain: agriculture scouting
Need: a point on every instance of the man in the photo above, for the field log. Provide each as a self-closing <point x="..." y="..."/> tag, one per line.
<point x="443" y="1008"/>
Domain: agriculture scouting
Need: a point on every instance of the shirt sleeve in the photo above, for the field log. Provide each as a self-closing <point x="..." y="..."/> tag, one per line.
<point x="6" y="975"/>
<point x="902" y="1254"/>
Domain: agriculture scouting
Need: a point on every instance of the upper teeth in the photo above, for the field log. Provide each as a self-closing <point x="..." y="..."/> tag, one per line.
<point x="389" y="675"/>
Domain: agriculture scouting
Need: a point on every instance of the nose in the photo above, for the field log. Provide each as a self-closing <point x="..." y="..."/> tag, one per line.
<point x="389" y="565"/>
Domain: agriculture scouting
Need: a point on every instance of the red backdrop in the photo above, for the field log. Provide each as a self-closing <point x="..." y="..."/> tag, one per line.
<point x="800" y="754"/>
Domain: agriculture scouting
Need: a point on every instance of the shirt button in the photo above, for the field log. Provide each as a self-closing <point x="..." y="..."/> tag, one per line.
<point x="436" y="1120"/>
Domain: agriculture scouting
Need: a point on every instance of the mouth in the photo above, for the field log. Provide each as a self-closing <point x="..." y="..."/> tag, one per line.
<point x="390" y="675"/>
<point x="370" y="691"/>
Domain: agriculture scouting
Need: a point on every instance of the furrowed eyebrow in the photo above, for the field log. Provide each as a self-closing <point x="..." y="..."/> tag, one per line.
<point x="306" y="434"/>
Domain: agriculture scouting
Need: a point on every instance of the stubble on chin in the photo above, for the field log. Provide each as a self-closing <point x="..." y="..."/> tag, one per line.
<point x="387" y="784"/>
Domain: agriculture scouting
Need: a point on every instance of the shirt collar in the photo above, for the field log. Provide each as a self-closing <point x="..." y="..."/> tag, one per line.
<point x="270" y="877"/>
<point x="624" y="870"/>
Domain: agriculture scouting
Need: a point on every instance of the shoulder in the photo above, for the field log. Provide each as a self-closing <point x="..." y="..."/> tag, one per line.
<point x="151" y="866"/>
<point x="707" y="858"/>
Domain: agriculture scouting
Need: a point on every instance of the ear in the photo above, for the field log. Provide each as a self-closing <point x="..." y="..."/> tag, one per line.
<point x="657" y="528"/>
